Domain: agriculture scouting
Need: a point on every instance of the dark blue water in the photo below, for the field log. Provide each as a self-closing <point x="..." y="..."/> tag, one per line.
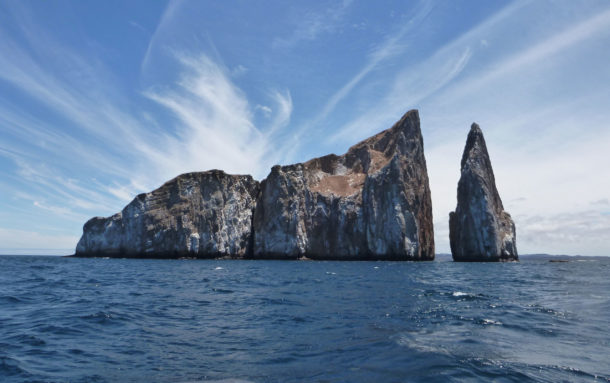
<point x="119" y="320"/>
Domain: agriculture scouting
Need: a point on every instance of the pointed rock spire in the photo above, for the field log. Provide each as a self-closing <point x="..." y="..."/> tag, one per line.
<point x="480" y="229"/>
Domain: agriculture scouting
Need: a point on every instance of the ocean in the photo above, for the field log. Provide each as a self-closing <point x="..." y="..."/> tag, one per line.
<point x="129" y="320"/>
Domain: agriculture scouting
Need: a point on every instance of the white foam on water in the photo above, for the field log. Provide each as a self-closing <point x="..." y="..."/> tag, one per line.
<point x="220" y="381"/>
<point x="219" y="268"/>
<point x="459" y="294"/>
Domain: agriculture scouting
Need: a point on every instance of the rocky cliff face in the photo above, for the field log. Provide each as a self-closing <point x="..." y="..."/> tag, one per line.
<point x="480" y="229"/>
<point x="206" y="214"/>
<point x="371" y="203"/>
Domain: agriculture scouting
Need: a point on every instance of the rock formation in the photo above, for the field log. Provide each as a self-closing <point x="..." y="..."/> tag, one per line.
<point x="371" y="203"/>
<point x="480" y="229"/>
<point x="205" y="214"/>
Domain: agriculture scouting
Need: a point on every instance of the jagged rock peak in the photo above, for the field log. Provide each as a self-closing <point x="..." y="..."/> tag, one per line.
<point x="480" y="229"/>
<point x="373" y="202"/>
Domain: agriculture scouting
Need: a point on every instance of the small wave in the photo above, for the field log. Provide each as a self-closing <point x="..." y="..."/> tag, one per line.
<point x="462" y="296"/>
<point x="420" y="341"/>
<point x="487" y="322"/>
<point x="30" y="340"/>
<point x="10" y="299"/>
<point x="100" y="317"/>
<point x="546" y="310"/>
<point x="9" y="367"/>
<point x="57" y="330"/>
<point x="219" y="268"/>
<point x="222" y="291"/>
<point x="40" y="267"/>
<point x="230" y="380"/>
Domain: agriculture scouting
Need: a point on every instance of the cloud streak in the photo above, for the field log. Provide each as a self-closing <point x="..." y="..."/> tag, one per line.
<point x="311" y="25"/>
<point x="391" y="47"/>
<point x="93" y="130"/>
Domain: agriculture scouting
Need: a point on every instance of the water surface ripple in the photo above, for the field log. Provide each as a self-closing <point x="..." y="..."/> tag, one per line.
<point x="121" y="320"/>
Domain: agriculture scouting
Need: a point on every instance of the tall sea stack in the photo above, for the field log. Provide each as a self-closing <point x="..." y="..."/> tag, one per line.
<point x="371" y="203"/>
<point x="479" y="229"/>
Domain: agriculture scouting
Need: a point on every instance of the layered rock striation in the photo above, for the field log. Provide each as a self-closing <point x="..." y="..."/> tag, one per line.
<point x="480" y="229"/>
<point x="203" y="214"/>
<point x="371" y="203"/>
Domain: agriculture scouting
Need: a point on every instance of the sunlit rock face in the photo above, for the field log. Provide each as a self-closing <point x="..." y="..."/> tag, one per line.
<point x="371" y="203"/>
<point x="203" y="214"/>
<point x="480" y="229"/>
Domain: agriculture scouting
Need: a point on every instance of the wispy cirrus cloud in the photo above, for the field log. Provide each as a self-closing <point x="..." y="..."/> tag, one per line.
<point x="313" y="24"/>
<point x="421" y="80"/>
<point x="391" y="47"/>
<point x="410" y="88"/>
<point x="537" y="53"/>
<point x="89" y="128"/>
<point x="216" y="128"/>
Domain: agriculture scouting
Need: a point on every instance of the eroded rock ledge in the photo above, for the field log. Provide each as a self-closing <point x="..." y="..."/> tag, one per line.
<point x="371" y="203"/>
<point x="202" y="214"/>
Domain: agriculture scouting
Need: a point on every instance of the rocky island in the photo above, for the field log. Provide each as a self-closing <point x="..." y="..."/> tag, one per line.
<point x="371" y="203"/>
<point x="480" y="229"/>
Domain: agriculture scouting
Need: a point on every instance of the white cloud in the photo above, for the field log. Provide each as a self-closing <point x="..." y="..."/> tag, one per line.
<point x="137" y="26"/>
<point x="410" y="88"/>
<point x="311" y="25"/>
<point x="212" y="128"/>
<point x="391" y="47"/>
<point x="283" y="102"/>
<point x="265" y="110"/>
<point x="215" y="129"/>
<point x="239" y="70"/>
<point x="594" y="26"/>
<point x="167" y="18"/>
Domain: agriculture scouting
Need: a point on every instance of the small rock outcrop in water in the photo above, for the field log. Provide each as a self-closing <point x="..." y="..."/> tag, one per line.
<point x="205" y="214"/>
<point x="371" y="203"/>
<point x="480" y="229"/>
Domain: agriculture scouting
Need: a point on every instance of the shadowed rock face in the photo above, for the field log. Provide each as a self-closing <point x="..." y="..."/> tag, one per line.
<point x="371" y="203"/>
<point x="480" y="229"/>
<point x="204" y="214"/>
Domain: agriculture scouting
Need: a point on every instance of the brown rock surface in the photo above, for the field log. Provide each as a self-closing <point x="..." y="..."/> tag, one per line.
<point x="371" y="203"/>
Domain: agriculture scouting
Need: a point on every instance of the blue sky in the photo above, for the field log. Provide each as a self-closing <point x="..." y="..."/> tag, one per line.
<point x="102" y="100"/>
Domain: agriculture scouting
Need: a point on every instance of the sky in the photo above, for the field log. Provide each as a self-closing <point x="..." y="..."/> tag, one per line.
<point x="102" y="100"/>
